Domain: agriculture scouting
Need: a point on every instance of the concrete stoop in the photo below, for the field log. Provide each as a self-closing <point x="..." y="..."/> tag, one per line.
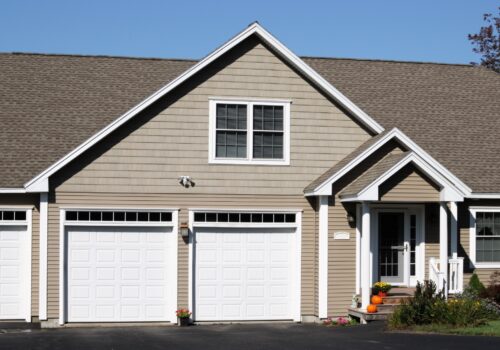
<point x="384" y="310"/>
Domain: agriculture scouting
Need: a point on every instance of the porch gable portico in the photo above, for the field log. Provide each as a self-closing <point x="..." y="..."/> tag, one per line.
<point x="397" y="188"/>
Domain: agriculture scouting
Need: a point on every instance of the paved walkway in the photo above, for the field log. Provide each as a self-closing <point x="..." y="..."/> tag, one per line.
<point x="237" y="337"/>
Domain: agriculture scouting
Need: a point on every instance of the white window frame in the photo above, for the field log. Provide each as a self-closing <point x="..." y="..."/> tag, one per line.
<point x="65" y="224"/>
<point x="297" y="225"/>
<point x="27" y="251"/>
<point x="472" y="238"/>
<point x="212" y="159"/>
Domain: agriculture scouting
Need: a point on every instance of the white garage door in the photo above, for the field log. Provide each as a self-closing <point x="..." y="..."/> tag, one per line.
<point x="244" y="274"/>
<point x="119" y="274"/>
<point x="13" y="279"/>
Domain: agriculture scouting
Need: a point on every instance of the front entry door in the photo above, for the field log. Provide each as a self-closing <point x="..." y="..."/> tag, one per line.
<point x="393" y="247"/>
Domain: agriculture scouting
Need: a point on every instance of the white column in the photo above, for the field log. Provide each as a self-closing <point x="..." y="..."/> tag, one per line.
<point x="42" y="285"/>
<point x="443" y="242"/>
<point x="454" y="229"/>
<point x="365" y="255"/>
<point x="358" y="248"/>
<point x="323" y="258"/>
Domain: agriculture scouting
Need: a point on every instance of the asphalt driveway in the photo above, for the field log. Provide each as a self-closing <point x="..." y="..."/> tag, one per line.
<point x="237" y="337"/>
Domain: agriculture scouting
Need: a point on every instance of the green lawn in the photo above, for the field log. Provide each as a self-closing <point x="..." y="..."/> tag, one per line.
<point x="492" y="328"/>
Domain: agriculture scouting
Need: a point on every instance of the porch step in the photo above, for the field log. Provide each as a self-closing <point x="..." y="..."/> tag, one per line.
<point x="365" y="317"/>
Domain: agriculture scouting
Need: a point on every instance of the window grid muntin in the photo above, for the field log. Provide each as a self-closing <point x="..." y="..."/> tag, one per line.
<point x="244" y="217"/>
<point x="413" y="245"/>
<point x="280" y="128"/>
<point x="487" y="236"/>
<point x="106" y="216"/>
<point x="13" y="215"/>
<point x="231" y="137"/>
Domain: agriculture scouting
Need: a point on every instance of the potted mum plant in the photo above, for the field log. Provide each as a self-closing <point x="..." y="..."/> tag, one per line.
<point x="381" y="289"/>
<point x="183" y="316"/>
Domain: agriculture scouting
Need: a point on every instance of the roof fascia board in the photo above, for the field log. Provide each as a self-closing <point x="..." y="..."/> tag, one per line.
<point x="484" y="196"/>
<point x="371" y="192"/>
<point x="325" y="187"/>
<point x="255" y="28"/>
<point x="12" y="190"/>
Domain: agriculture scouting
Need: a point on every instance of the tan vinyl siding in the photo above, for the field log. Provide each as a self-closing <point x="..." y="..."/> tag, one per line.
<point x="184" y="202"/>
<point x="464" y="239"/>
<point x="29" y="200"/>
<point x="341" y="259"/>
<point x="173" y="141"/>
<point x="431" y="234"/>
<point x="409" y="184"/>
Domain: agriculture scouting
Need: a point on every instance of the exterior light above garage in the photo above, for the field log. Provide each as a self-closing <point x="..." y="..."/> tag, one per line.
<point x="184" y="229"/>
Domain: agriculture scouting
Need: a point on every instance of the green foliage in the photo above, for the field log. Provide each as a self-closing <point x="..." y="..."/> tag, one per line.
<point x="421" y="309"/>
<point x="475" y="285"/>
<point x="492" y="292"/>
<point x="429" y="307"/>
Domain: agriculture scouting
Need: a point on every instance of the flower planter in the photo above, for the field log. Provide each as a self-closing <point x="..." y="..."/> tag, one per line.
<point x="183" y="322"/>
<point x="382" y="294"/>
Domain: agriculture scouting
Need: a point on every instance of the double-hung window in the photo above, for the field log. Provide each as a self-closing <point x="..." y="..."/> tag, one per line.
<point x="254" y="132"/>
<point x="485" y="237"/>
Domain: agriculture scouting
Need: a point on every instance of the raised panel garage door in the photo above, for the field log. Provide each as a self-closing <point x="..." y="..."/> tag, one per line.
<point x="244" y="274"/>
<point x="13" y="286"/>
<point x="119" y="274"/>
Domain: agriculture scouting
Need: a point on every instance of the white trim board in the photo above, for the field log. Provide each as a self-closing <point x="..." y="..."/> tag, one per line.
<point x="249" y="159"/>
<point x="325" y="188"/>
<point x="472" y="238"/>
<point x="40" y="182"/>
<point x="26" y="256"/>
<point x="448" y="192"/>
<point x="297" y="246"/>
<point x="63" y="225"/>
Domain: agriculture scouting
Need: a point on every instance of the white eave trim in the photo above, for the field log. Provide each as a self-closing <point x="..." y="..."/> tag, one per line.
<point x="12" y="190"/>
<point x="484" y="196"/>
<point x="34" y="184"/>
<point x="448" y="192"/>
<point x="326" y="187"/>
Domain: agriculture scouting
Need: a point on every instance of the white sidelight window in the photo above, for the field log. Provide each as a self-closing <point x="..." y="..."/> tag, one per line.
<point x="485" y="237"/>
<point x="255" y="132"/>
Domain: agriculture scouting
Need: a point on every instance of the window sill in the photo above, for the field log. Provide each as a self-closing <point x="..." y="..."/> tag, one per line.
<point x="274" y="162"/>
<point x="494" y="265"/>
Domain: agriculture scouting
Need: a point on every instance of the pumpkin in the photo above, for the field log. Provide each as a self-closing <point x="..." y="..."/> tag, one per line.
<point x="376" y="300"/>
<point x="371" y="308"/>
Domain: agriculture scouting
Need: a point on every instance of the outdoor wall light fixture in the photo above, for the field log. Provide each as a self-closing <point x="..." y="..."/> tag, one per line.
<point x="186" y="181"/>
<point x="350" y="218"/>
<point x="184" y="229"/>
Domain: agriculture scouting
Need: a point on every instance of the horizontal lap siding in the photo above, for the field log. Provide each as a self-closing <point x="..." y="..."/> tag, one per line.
<point x="141" y="163"/>
<point x="175" y="141"/>
<point x="184" y="202"/>
<point x="341" y="261"/>
<point x="410" y="186"/>
<point x="28" y="200"/>
<point x="484" y="274"/>
<point x="431" y="234"/>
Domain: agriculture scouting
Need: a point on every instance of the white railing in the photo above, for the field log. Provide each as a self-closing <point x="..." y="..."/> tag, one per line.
<point x="455" y="275"/>
<point x="435" y="275"/>
<point x="454" y="283"/>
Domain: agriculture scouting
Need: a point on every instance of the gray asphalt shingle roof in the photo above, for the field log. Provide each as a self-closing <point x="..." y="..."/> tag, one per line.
<point x="372" y="174"/>
<point x="52" y="103"/>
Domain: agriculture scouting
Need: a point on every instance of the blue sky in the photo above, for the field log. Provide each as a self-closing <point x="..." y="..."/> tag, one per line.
<point x="422" y="30"/>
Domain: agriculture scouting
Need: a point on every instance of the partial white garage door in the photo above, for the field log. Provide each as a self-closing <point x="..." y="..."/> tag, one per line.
<point x="14" y="288"/>
<point x="119" y="274"/>
<point x="244" y="274"/>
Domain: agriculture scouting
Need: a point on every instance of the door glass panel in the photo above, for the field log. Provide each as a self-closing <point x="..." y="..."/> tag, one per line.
<point x="413" y="244"/>
<point x="391" y="247"/>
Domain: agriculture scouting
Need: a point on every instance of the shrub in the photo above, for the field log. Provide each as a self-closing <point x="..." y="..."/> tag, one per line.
<point x="492" y="292"/>
<point x="421" y="309"/>
<point x="430" y="307"/>
<point x="475" y="285"/>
